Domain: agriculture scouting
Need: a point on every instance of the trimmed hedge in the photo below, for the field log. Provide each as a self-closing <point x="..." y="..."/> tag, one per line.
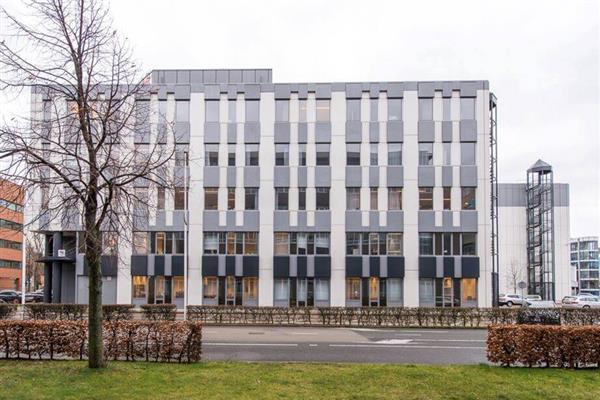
<point x="46" y="311"/>
<point x="7" y="310"/>
<point x="159" y="312"/>
<point x="123" y="340"/>
<point x="543" y="345"/>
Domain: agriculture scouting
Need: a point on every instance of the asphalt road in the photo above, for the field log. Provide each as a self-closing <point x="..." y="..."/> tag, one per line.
<point x="295" y="344"/>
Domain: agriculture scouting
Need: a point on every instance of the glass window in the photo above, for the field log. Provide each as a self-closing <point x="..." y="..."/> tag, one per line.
<point x="252" y="110"/>
<point x="179" y="199"/>
<point x="212" y="110"/>
<point x="321" y="243"/>
<point x="426" y="109"/>
<point x="282" y="154"/>
<point x="394" y="198"/>
<point x="211" y="155"/>
<point x="447" y="149"/>
<point x="467" y="153"/>
<point x="468" y="290"/>
<point x="323" y="110"/>
<point x="321" y="289"/>
<point x="231" y="198"/>
<point x="181" y="158"/>
<point x="353" y="286"/>
<point x="140" y="242"/>
<point x="374" y="198"/>
<point x="447" y="191"/>
<point x="211" y="198"/>
<point x="231" y="242"/>
<point x="394" y="109"/>
<point x="109" y="243"/>
<point x="302" y="154"/>
<point x="140" y="287"/>
<point x="250" y="242"/>
<point x="447" y="243"/>
<point x="353" y="154"/>
<point x="178" y="287"/>
<point x="302" y="110"/>
<point x="281" y="198"/>
<point x="322" y="153"/>
<point x="178" y="243"/>
<point x="426" y="244"/>
<point x="446" y="109"/>
<point x="373" y="290"/>
<point x="467" y="108"/>
<point x="426" y="292"/>
<point x="353" y="110"/>
<point x="425" y="198"/>
<point x="209" y="287"/>
<point x="456" y="244"/>
<point x="160" y="243"/>
<point x="353" y="198"/>
<point x="394" y="153"/>
<point x="302" y="243"/>
<point x="182" y="111"/>
<point x="282" y="110"/>
<point x="353" y="243"/>
<point x="374" y="112"/>
<point x="281" y="289"/>
<point x="231" y="111"/>
<point x="301" y="198"/>
<point x="394" y="290"/>
<point x="211" y="243"/>
<point x="250" y="291"/>
<point x="239" y="243"/>
<point x="251" y="199"/>
<point x="374" y="154"/>
<point x="322" y="198"/>
<point x="231" y="155"/>
<point x="469" y="244"/>
<point x="394" y="244"/>
<point x="425" y="153"/>
<point x="160" y="198"/>
<point x="468" y="198"/>
<point x="374" y="244"/>
<point x="252" y="154"/>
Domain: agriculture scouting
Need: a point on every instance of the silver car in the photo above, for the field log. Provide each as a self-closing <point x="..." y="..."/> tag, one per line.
<point x="510" y="300"/>
<point x="581" y="301"/>
<point x="540" y="304"/>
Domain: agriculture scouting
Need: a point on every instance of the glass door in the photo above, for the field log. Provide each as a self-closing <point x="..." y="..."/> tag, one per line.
<point x="448" y="292"/>
<point x="374" y="292"/>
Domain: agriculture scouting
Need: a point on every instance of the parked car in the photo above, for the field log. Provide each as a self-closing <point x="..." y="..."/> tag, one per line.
<point x="540" y="304"/>
<point x="590" y="292"/>
<point x="2" y="301"/>
<point x="581" y="301"/>
<point x="34" y="297"/>
<point x="10" y="296"/>
<point x="533" y="297"/>
<point x="510" y="300"/>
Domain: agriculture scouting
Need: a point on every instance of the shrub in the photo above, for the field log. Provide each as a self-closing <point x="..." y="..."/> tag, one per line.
<point x="46" y="311"/>
<point x="159" y="312"/>
<point x="123" y="340"/>
<point x="538" y="317"/>
<point x="543" y="345"/>
<point x="6" y="310"/>
<point x="117" y="312"/>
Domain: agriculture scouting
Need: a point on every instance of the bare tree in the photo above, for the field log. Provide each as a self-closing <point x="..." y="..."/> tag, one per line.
<point x="514" y="275"/>
<point x="76" y="148"/>
<point x="33" y="269"/>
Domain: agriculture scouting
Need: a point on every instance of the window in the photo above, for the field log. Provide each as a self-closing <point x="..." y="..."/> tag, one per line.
<point x="211" y="198"/>
<point x="394" y="198"/>
<point x="252" y="110"/>
<point x="353" y="243"/>
<point x="251" y="199"/>
<point x="394" y="244"/>
<point x="211" y="155"/>
<point x="447" y="237"/>
<point x="282" y="154"/>
<point x="425" y="153"/>
<point x="322" y="153"/>
<point x="211" y="243"/>
<point x="181" y="158"/>
<point x="374" y="154"/>
<point x="447" y="150"/>
<point x="252" y="154"/>
<point x="469" y="244"/>
<point x="302" y="154"/>
<point x="160" y="198"/>
<point x="374" y="244"/>
<point x="426" y="109"/>
<point x="180" y="198"/>
<point x="374" y="195"/>
<point x="178" y="287"/>
<point x="160" y="243"/>
<point x="321" y="289"/>
<point x="139" y="287"/>
<point x="281" y="198"/>
<point x="322" y="198"/>
<point x="394" y="109"/>
<point x="374" y="111"/>
<point x="302" y="110"/>
<point x="109" y="243"/>
<point x="467" y="153"/>
<point x="467" y="108"/>
<point x="182" y="111"/>
<point x="353" y="286"/>
<point x="425" y="198"/>
<point x="447" y="198"/>
<point x="250" y="242"/>
<point x="353" y="154"/>
<point x="9" y="244"/>
<point x="178" y="242"/>
<point x="301" y="198"/>
<point x="394" y="290"/>
<point x="322" y="110"/>
<point x="352" y="198"/>
<point x="426" y="244"/>
<point x="232" y="242"/>
<point x="447" y="116"/>
<point x="250" y="289"/>
<point x="212" y="110"/>
<point x="426" y="292"/>
<point x="353" y="110"/>
<point x="231" y="111"/>
<point x="394" y="153"/>
<point x="282" y="110"/>
<point x="231" y="155"/>
<point x="468" y="198"/>
<point x="209" y="287"/>
<point x="231" y="198"/>
<point x="281" y="289"/>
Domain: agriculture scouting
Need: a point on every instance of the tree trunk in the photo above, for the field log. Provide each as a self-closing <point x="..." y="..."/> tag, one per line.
<point x="93" y="253"/>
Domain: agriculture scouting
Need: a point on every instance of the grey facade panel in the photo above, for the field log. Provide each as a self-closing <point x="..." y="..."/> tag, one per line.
<point x="251" y="220"/>
<point x="354" y="176"/>
<point x="251" y="266"/>
<point x="426" y="176"/>
<point x="395" y="90"/>
<point x="395" y="176"/>
<point x="251" y="176"/>
<point x="211" y="176"/>
<point x="281" y="267"/>
<point x="323" y="220"/>
<point x="561" y="195"/>
<point x="447" y="176"/>
<point x="374" y="266"/>
<point x="468" y="130"/>
<point x="353" y="221"/>
<point x="374" y="132"/>
<point x="182" y="132"/>
<point x="251" y="132"/>
<point x="322" y="176"/>
<point x="210" y="265"/>
<point x="281" y="221"/>
<point x="395" y="131"/>
<point x="212" y="132"/>
<point x="426" y="131"/>
<point x="395" y="267"/>
<point x="210" y="220"/>
<point x="282" y="132"/>
<point x="281" y="177"/>
<point x="159" y="265"/>
<point x="427" y="267"/>
<point x="353" y="90"/>
<point x="353" y="131"/>
<point x="427" y="89"/>
<point x="252" y="92"/>
<point x="353" y="266"/>
<point x="323" y="132"/>
<point x="468" y="221"/>
<point x="211" y="92"/>
<point x="177" y="265"/>
<point x="470" y="267"/>
<point x="231" y="132"/>
<point x="302" y="132"/>
<point x="282" y="91"/>
<point x="231" y="176"/>
<point x="302" y="176"/>
<point x="323" y="91"/>
<point x="395" y="220"/>
<point x="448" y="267"/>
<point x="230" y="265"/>
<point x="427" y="221"/>
<point x="322" y="266"/>
<point x="139" y="265"/>
<point x="446" y="131"/>
<point x="373" y="176"/>
<point x="468" y="176"/>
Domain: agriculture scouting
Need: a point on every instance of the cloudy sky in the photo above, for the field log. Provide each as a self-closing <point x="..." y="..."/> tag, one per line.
<point x="541" y="59"/>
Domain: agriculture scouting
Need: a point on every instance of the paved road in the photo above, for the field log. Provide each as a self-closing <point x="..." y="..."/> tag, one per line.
<point x="412" y="346"/>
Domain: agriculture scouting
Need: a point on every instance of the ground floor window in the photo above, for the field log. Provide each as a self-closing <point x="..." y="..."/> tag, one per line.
<point x="140" y="287"/>
<point x="353" y="289"/>
<point x="394" y="291"/>
<point x="281" y="289"/>
<point x="322" y="290"/>
<point x="374" y="292"/>
<point x="250" y="289"/>
<point x="209" y="287"/>
<point x="178" y="287"/>
<point x="448" y="292"/>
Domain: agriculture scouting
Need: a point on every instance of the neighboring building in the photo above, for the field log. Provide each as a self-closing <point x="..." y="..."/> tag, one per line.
<point x="11" y="235"/>
<point x="326" y="194"/>
<point x="534" y="234"/>
<point x="586" y="264"/>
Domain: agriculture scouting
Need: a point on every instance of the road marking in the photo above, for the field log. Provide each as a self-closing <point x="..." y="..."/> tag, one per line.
<point x="394" y="341"/>
<point x="408" y="334"/>
<point x="450" y="340"/>
<point x="251" y="344"/>
<point x="421" y="331"/>
<point x="405" y="346"/>
<point x="312" y="345"/>
<point x="302" y="333"/>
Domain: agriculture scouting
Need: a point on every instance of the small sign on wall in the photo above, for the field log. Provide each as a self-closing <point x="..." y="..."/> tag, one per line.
<point x="61" y="252"/>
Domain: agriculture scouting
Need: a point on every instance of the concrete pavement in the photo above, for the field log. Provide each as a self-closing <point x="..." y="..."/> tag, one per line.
<point x="295" y="344"/>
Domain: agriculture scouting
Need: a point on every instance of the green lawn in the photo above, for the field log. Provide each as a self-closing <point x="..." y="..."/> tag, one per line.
<point x="237" y="380"/>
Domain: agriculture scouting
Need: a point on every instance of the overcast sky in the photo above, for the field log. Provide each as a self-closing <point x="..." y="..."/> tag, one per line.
<point x="541" y="59"/>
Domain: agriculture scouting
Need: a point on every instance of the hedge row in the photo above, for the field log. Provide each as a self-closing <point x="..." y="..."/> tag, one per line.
<point x="7" y="310"/>
<point x="388" y="316"/>
<point x="123" y="340"/>
<point x="546" y="346"/>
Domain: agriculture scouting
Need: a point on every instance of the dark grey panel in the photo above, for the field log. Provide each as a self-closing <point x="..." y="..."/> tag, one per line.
<point x="323" y="132"/>
<point x="373" y="176"/>
<point x="252" y="132"/>
<point x="210" y="265"/>
<point x="447" y="221"/>
<point x="427" y="267"/>
<point x="447" y="176"/>
<point x="251" y="176"/>
<point x="395" y="131"/>
<point x="182" y="132"/>
<point x="374" y="266"/>
<point x="301" y="266"/>
<point x="159" y="265"/>
<point x="395" y="176"/>
<point x="469" y="88"/>
<point x="108" y="266"/>
<point x="426" y="131"/>
<point x="427" y="89"/>
<point x="139" y="265"/>
<point x="322" y="176"/>
<point x="182" y="92"/>
<point x="281" y="177"/>
<point x="231" y="176"/>
<point x="395" y="267"/>
<point x="395" y="90"/>
<point x="353" y="221"/>
<point x="561" y="195"/>
<point x="281" y="221"/>
<point x="231" y="132"/>
<point x="211" y="92"/>
<point x="282" y="132"/>
<point x="210" y="220"/>
<point x="446" y="131"/>
<point x="252" y="92"/>
<point x="354" y="176"/>
<point x="468" y="175"/>
<point x="427" y="221"/>
<point x="251" y="220"/>
<point x="230" y="265"/>
<point x="323" y="220"/>
<point x="395" y="220"/>
<point x="212" y="132"/>
<point x="374" y="132"/>
<point x="470" y="267"/>
<point x="251" y="266"/>
<point x="281" y="267"/>
<point x="177" y="265"/>
<point x="353" y="131"/>
<point x="282" y="91"/>
<point x="468" y="221"/>
<point x="302" y="132"/>
<point x="302" y="172"/>
<point x="323" y="91"/>
<point x="426" y="175"/>
<point x="468" y="130"/>
<point x="512" y="195"/>
<point x="322" y="266"/>
<point x="448" y="267"/>
<point x="353" y="90"/>
<point x="211" y="176"/>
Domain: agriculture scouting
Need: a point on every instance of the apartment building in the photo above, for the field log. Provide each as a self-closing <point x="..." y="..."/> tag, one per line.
<point x="316" y="194"/>
<point x="11" y="235"/>
<point x="585" y="261"/>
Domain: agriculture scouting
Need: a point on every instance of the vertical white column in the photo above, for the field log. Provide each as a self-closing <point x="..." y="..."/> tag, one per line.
<point x="223" y="159"/>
